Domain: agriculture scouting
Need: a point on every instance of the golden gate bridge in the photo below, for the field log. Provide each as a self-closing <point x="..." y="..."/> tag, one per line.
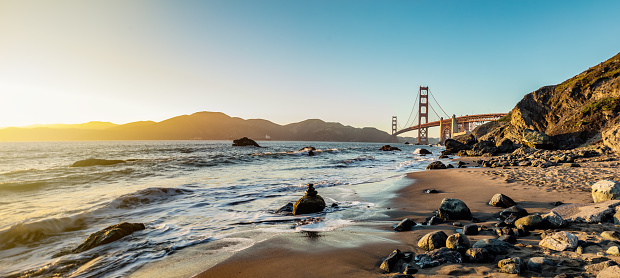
<point x="448" y="127"/>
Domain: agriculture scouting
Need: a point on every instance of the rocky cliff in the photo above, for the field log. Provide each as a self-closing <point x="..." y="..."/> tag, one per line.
<point x="572" y="113"/>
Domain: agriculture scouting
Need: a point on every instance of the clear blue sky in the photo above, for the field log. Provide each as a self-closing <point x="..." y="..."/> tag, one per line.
<point x="355" y="62"/>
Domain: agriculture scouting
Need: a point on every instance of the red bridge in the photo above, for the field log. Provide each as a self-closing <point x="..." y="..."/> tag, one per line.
<point x="449" y="127"/>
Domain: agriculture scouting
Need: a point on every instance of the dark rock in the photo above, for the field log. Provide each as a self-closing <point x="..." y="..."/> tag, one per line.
<point x="508" y="238"/>
<point x="286" y="209"/>
<point x="521" y="232"/>
<point x="458" y="242"/>
<point x="423" y="151"/>
<point x="501" y="200"/>
<point x="536" y="263"/>
<point x="109" y="234"/>
<point x="388" y="264"/>
<point x="410" y="270"/>
<point x="437" y="257"/>
<point x="505" y="146"/>
<point x="435" y="220"/>
<point x="482" y="148"/>
<point x="94" y="162"/>
<point x="511" y="219"/>
<point x="450" y="166"/>
<point x="430" y="191"/>
<point x="494" y="246"/>
<point x="454" y="209"/>
<point x="504" y="231"/>
<point x="433" y="240"/>
<point x="404" y="225"/>
<point x="245" y="141"/>
<point x="557" y="203"/>
<point x="309" y="203"/>
<point x="478" y="255"/>
<point x="453" y="146"/>
<point x="467" y="139"/>
<point x="388" y="148"/>
<point x="436" y="165"/>
<point x="457" y="224"/>
<point x="461" y="163"/>
<point x="517" y="210"/>
<point x="471" y="229"/>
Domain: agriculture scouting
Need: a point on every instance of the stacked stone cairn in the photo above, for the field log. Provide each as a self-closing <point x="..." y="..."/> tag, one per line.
<point x="311" y="202"/>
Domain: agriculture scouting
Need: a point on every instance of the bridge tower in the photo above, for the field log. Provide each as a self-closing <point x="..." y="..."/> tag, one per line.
<point x="394" y="130"/>
<point x="423" y="112"/>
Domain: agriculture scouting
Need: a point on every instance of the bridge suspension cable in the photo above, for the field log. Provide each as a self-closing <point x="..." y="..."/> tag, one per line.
<point x="444" y="111"/>
<point x="411" y="113"/>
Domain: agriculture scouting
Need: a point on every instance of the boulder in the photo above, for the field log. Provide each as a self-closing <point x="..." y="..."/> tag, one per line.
<point x="495" y="246"/>
<point x="598" y="267"/>
<point x="559" y="241"/>
<point x="388" y="264"/>
<point x="433" y="240"/>
<point x="109" y="234"/>
<point x="605" y="190"/>
<point x="478" y="255"/>
<point x="501" y="200"/>
<point x="482" y="148"/>
<point x="434" y="220"/>
<point x="516" y="210"/>
<point x="609" y="272"/>
<point x="436" y="165"/>
<point x="94" y="162"/>
<point x="613" y="250"/>
<point x="471" y="229"/>
<point x="530" y="222"/>
<point x="458" y="242"/>
<point x="505" y="146"/>
<point x="245" y="141"/>
<point x="454" y="146"/>
<point x="422" y="151"/>
<point x="535" y="139"/>
<point x="388" y="148"/>
<point x="536" y="263"/>
<point x="454" y="209"/>
<point x="611" y="138"/>
<point x="587" y="213"/>
<point x="437" y="257"/>
<point x="510" y="266"/>
<point x="404" y="225"/>
<point x="467" y="139"/>
<point x="512" y="239"/>
<point x="552" y="220"/>
<point x="311" y="202"/>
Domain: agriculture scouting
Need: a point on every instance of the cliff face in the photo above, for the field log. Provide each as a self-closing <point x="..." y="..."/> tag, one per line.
<point x="571" y="113"/>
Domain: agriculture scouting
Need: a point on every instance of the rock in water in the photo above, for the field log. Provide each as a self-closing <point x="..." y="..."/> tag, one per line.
<point x="605" y="190"/>
<point x="109" y="234"/>
<point x="560" y="241"/>
<point x="388" y="148"/>
<point x="245" y="141"/>
<point x="454" y="209"/>
<point x="536" y="140"/>
<point x="501" y="200"/>
<point x="422" y="151"/>
<point x="93" y="162"/>
<point x="309" y="203"/>
<point x="432" y="241"/>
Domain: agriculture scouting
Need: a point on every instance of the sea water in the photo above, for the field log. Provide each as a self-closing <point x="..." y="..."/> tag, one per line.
<point x="186" y="193"/>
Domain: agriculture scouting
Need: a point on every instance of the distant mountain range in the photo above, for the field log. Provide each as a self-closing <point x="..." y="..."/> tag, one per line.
<point x="198" y="126"/>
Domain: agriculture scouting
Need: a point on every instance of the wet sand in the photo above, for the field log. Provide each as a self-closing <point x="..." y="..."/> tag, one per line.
<point x="327" y="255"/>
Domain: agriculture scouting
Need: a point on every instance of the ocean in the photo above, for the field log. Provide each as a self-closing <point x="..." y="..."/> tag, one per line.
<point x="187" y="193"/>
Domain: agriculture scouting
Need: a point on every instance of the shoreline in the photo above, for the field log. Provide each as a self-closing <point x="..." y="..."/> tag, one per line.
<point x="293" y="255"/>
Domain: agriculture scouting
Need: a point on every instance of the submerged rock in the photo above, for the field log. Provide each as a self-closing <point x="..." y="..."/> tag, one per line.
<point x="388" y="148"/>
<point x="107" y="235"/>
<point x="285" y="210"/>
<point x="311" y="202"/>
<point x="245" y="141"/>
<point x="94" y="161"/>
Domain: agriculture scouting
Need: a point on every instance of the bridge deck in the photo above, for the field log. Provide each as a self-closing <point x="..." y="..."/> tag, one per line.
<point x="459" y="120"/>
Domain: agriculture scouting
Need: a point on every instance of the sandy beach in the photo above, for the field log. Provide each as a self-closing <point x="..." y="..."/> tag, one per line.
<point x="324" y="255"/>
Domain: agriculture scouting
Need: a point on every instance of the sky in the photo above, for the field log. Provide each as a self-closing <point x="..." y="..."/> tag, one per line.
<point x="355" y="62"/>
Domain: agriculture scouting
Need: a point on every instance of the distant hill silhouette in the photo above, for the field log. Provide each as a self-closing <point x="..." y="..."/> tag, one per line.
<point x="199" y="126"/>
